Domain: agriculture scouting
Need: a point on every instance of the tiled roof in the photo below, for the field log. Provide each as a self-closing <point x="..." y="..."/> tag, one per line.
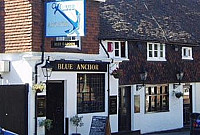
<point x="169" y="21"/>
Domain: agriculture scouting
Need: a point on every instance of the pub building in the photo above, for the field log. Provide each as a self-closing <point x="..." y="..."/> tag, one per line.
<point x="94" y="59"/>
<point x="50" y="76"/>
<point x="159" y="85"/>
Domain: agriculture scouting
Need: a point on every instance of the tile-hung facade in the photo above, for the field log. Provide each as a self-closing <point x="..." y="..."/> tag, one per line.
<point x="81" y="81"/>
<point x="159" y="82"/>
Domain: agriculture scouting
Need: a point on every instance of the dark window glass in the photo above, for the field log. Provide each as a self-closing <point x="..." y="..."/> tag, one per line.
<point x="116" y="48"/>
<point x="123" y="49"/>
<point x="90" y="93"/>
<point x="157" y="99"/>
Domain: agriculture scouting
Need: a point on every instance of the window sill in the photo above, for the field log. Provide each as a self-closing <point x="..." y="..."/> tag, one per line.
<point x="156" y="59"/>
<point x="119" y="59"/>
<point x="184" y="58"/>
<point x="153" y="112"/>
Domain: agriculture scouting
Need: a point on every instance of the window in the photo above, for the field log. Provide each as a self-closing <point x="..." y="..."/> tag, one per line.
<point x="136" y="103"/>
<point x="119" y="48"/>
<point x="155" y="52"/>
<point x="69" y="42"/>
<point x="187" y="53"/>
<point x="90" y="93"/>
<point x="157" y="98"/>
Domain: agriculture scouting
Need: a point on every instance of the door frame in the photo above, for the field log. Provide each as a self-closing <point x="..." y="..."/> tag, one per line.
<point x="190" y="105"/>
<point x="127" y="91"/>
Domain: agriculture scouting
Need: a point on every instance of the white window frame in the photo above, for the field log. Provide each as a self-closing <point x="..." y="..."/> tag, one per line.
<point x="154" y="50"/>
<point x="188" y="54"/>
<point x="119" y="49"/>
<point x="70" y="38"/>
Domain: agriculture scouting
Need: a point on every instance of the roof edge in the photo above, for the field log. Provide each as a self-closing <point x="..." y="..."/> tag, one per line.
<point x="136" y="40"/>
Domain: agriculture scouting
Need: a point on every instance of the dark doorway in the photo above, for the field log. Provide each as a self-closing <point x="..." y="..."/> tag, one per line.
<point x="14" y="108"/>
<point x="125" y="109"/>
<point x="187" y="105"/>
<point x="55" y="106"/>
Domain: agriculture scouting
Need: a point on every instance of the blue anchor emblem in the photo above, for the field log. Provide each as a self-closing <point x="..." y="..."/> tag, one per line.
<point x="73" y="23"/>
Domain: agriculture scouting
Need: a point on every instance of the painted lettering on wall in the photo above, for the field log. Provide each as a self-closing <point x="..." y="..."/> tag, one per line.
<point x="78" y="67"/>
<point x="65" y="65"/>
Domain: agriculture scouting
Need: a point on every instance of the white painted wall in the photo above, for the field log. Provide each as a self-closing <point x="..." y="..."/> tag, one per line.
<point x="196" y="97"/>
<point x="22" y="68"/>
<point x="20" y="73"/>
<point x="114" y="86"/>
<point x="70" y="79"/>
<point x="152" y="122"/>
<point x="71" y="101"/>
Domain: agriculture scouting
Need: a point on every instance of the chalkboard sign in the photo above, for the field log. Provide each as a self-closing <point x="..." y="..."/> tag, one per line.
<point x="100" y="125"/>
<point x="113" y="105"/>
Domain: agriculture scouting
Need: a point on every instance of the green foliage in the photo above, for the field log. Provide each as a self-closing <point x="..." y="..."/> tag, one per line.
<point x="47" y="123"/>
<point x="77" y="121"/>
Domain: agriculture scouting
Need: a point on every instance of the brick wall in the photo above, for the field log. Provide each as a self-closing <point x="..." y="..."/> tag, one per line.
<point x="38" y="24"/>
<point x="17" y="25"/>
<point x="90" y="42"/>
<point x="2" y="42"/>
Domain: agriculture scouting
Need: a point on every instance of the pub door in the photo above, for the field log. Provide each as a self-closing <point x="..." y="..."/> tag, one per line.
<point x="125" y="109"/>
<point x="55" y="106"/>
<point x="187" y="105"/>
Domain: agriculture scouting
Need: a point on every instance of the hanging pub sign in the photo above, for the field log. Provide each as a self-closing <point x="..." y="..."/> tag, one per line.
<point x="67" y="65"/>
<point x="65" y="18"/>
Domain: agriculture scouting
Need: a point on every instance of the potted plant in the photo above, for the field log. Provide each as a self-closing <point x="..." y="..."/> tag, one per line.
<point x="47" y="123"/>
<point x="178" y="94"/>
<point x="39" y="87"/>
<point x="77" y="122"/>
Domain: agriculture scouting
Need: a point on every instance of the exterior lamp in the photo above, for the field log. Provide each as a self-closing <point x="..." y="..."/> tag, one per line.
<point x="179" y="77"/>
<point x="143" y="77"/>
<point x="47" y="68"/>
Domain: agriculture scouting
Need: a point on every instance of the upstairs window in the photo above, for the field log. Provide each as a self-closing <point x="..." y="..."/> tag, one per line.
<point x="187" y="53"/>
<point x="119" y="49"/>
<point x="68" y="42"/>
<point x="155" y="52"/>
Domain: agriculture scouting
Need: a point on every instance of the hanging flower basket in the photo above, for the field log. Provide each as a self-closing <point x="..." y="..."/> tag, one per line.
<point x="39" y="87"/>
<point x="116" y="73"/>
<point x="178" y="94"/>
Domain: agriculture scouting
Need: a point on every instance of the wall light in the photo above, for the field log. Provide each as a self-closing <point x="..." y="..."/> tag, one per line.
<point x="179" y="77"/>
<point x="143" y="77"/>
<point x="47" y="68"/>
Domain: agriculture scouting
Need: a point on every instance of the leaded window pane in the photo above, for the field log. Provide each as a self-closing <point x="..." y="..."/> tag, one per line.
<point x="157" y="98"/>
<point x="90" y="93"/>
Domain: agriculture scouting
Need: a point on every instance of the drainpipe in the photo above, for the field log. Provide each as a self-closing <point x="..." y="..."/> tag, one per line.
<point x="42" y="47"/>
<point x="108" y="77"/>
<point x="36" y="80"/>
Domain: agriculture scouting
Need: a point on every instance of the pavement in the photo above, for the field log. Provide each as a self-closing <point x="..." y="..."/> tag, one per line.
<point x="174" y="132"/>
